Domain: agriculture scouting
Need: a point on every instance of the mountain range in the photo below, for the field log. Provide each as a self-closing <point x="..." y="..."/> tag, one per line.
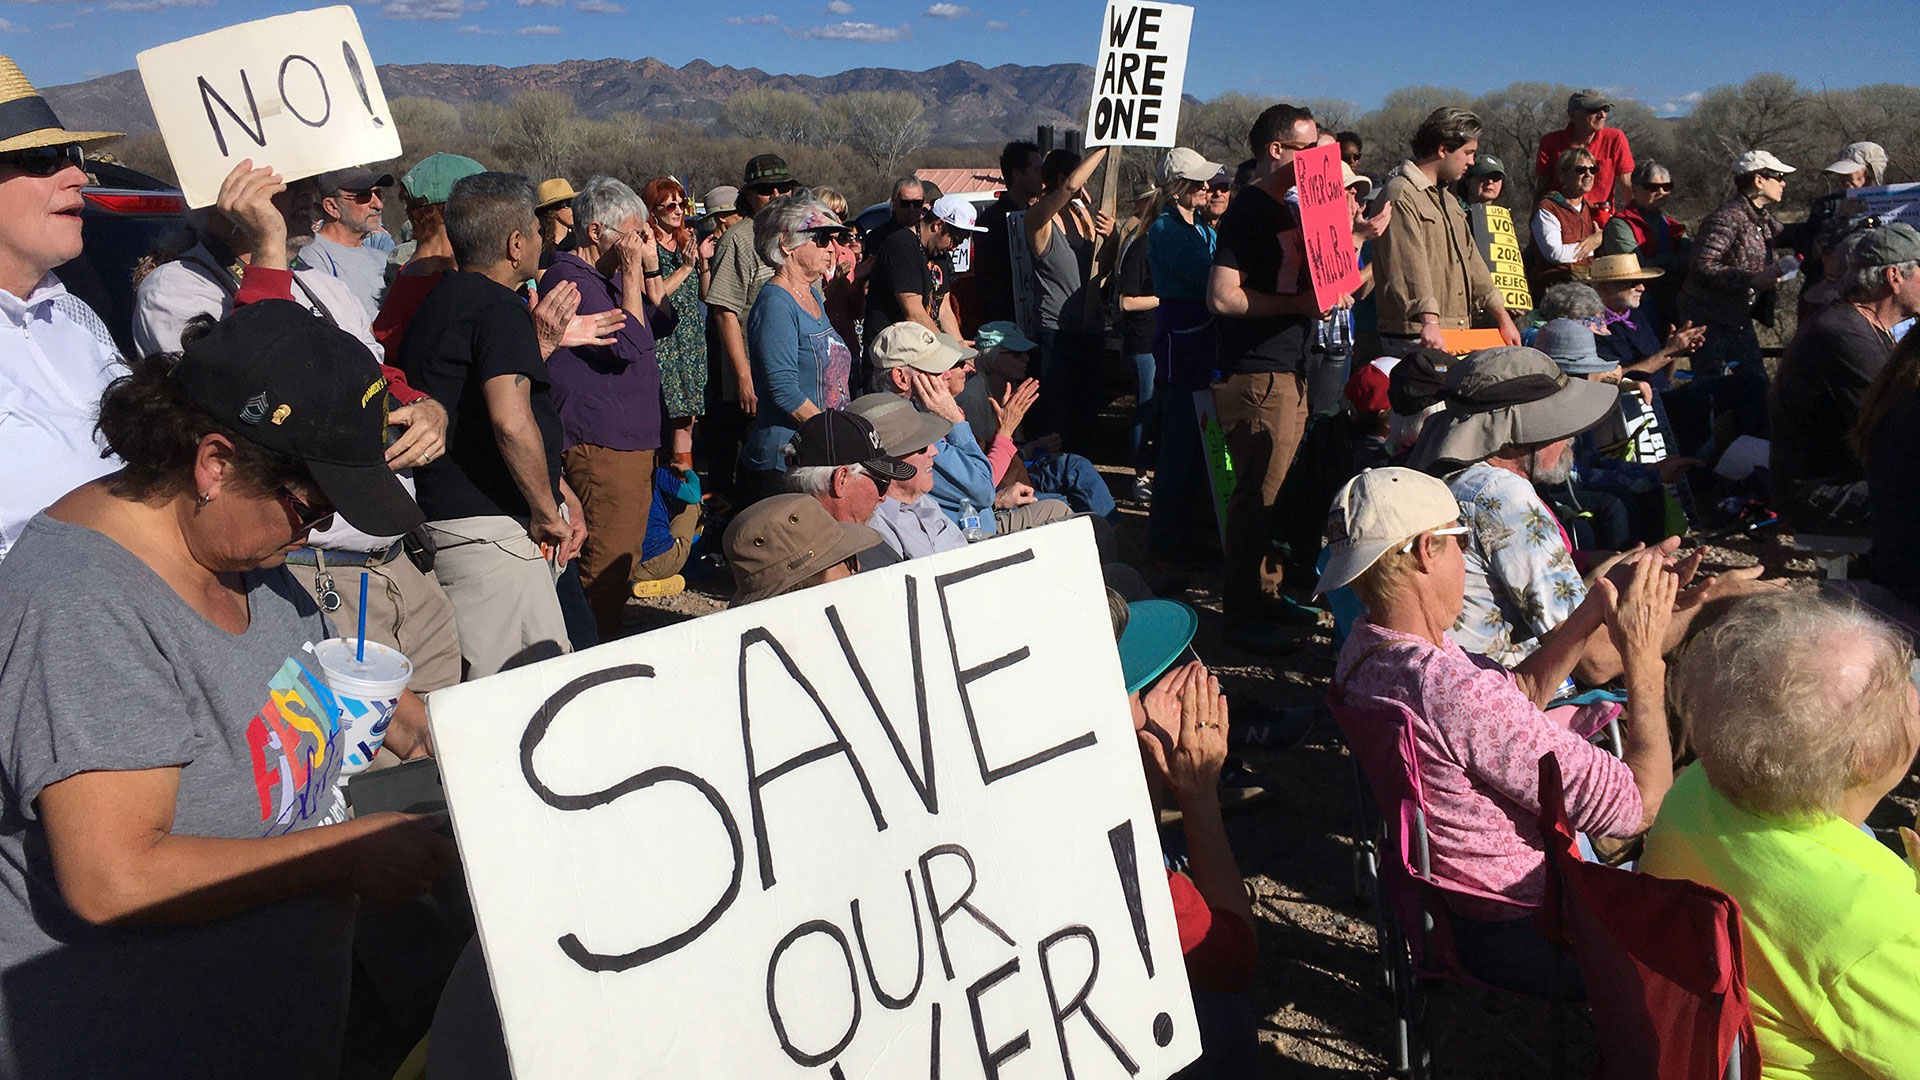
<point x="966" y="104"/>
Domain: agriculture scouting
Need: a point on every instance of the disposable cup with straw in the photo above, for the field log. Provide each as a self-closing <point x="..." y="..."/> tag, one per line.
<point x="367" y="679"/>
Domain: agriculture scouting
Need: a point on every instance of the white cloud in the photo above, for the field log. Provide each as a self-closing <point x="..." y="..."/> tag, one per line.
<point x="996" y="24"/>
<point x="1680" y="105"/>
<point x="60" y="26"/>
<point x="538" y="28"/>
<point x="156" y="5"/>
<point x="598" y="7"/>
<point x="7" y="27"/>
<point x="855" y="31"/>
<point x="753" y="20"/>
<point x="946" y="11"/>
<point x="539" y="3"/>
<point x="478" y="30"/>
<point x="841" y="7"/>
<point x="433" y="10"/>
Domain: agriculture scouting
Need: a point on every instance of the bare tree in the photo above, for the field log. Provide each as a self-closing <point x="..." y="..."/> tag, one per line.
<point x="882" y="126"/>
<point x="1219" y="128"/>
<point x="770" y="115"/>
<point x="1389" y="129"/>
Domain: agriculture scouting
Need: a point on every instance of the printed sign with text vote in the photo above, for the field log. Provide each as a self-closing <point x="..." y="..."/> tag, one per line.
<point x="892" y="826"/>
<point x="296" y="92"/>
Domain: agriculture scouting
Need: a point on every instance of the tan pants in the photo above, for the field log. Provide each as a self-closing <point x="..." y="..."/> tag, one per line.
<point x="1263" y="416"/>
<point x="616" y="493"/>
<point x="674" y="559"/>
<point x="406" y="610"/>
<point x="1031" y="516"/>
<point x="502" y="592"/>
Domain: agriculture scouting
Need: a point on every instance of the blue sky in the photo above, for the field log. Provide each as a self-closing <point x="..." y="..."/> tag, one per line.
<point x="1664" y="54"/>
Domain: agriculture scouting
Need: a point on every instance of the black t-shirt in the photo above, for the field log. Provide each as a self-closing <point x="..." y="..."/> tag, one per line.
<point x="899" y="266"/>
<point x="1817" y="393"/>
<point x="993" y="262"/>
<point x="1136" y="279"/>
<point x="1261" y="238"/>
<point x="468" y="330"/>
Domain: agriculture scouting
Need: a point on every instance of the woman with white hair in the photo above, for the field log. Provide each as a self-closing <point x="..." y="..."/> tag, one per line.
<point x="1479" y="730"/>
<point x="800" y="363"/>
<point x="1805" y="717"/>
<point x="608" y="396"/>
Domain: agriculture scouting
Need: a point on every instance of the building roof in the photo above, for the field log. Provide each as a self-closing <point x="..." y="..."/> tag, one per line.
<point x="961" y="181"/>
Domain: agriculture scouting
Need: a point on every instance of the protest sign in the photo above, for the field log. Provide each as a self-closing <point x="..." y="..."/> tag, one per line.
<point x="297" y="92"/>
<point x="1889" y="202"/>
<point x="1500" y="247"/>
<point x="1139" y="73"/>
<point x="891" y="826"/>
<point x="1326" y="224"/>
<point x="1213" y="441"/>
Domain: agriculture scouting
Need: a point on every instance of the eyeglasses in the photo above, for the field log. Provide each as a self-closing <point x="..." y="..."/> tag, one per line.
<point x="1296" y="147"/>
<point x="1585" y="170"/>
<point x="1451" y="530"/>
<point x="306" y="517"/>
<point x="361" y="196"/>
<point x="45" y="160"/>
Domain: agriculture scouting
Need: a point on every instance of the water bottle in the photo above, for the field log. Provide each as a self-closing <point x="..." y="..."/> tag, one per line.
<point x="970" y="523"/>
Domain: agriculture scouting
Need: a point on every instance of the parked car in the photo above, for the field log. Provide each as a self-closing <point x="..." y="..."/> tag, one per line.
<point x="126" y="214"/>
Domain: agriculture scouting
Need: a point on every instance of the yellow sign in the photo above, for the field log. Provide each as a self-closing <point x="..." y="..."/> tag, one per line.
<point x="1500" y="247"/>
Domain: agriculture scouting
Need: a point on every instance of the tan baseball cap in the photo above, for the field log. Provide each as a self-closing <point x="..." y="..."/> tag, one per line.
<point x="1754" y="161"/>
<point x="1186" y="163"/>
<point x="908" y="344"/>
<point x="1379" y="510"/>
<point x="777" y="543"/>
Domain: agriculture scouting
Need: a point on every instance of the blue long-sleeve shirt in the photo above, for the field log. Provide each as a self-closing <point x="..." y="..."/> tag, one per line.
<point x="961" y="475"/>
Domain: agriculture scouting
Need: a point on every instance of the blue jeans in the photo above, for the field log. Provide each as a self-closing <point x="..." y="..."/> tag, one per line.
<point x="1145" y="409"/>
<point x="1074" y="479"/>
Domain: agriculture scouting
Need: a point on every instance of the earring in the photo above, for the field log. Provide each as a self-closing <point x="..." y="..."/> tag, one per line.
<point x="201" y="500"/>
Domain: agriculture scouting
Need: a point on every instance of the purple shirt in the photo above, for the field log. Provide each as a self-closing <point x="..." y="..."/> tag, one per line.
<point x="606" y="395"/>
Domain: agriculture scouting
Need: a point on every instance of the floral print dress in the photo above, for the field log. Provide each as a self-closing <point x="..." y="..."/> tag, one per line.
<point x="683" y="353"/>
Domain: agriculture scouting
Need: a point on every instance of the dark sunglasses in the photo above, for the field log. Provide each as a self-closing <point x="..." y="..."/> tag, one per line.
<point x="1660" y="187"/>
<point x="910" y="202"/>
<point x="45" y="160"/>
<point x="1585" y="170"/>
<point x="363" y="195"/>
<point x="785" y="187"/>
<point x="1219" y="187"/>
<point x="306" y="517"/>
<point x="1768" y="174"/>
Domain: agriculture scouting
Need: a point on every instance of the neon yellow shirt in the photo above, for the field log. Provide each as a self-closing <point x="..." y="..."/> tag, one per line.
<point x="1831" y="928"/>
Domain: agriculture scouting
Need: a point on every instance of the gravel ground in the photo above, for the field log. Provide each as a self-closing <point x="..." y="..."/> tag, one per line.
<point x="1319" y="988"/>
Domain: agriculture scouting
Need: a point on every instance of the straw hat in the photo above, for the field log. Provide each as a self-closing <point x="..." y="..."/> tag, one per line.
<point x="1623" y="267"/>
<point x="553" y="193"/>
<point x="27" y="121"/>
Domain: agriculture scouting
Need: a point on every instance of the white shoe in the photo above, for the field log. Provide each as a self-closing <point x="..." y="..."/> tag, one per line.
<point x="1142" y="489"/>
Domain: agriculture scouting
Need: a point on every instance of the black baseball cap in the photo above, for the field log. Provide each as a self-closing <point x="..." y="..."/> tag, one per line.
<point x="282" y="377"/>
<point x="842" y="438"/>
<point x="355" y="179"/>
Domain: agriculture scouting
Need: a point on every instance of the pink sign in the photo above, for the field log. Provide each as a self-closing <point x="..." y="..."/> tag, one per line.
<point x="1326" y="224"/>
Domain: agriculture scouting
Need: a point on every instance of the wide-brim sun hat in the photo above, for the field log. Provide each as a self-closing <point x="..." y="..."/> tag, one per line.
<point x="777" y="543"/>
<point x="1572" y="345"/>
<point x="1624" y="267"/>
<point x="27" y="122"/>
<point x="1377" y="511"/>
<point x="1157" y="632"/>
<point x="1509" y="396"/>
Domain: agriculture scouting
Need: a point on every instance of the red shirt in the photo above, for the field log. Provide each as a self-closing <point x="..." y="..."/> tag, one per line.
<point x="1610" y="153"/>
<point x="1219" y="946"/>
<point x="404" y="297"/>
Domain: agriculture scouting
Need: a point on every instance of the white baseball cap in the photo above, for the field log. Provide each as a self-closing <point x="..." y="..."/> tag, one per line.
<point x="956" y="212"/>
<point x="1754" y="161"/>
<point x="1379" y="510"/>
<point x="1185" y="163"/>
<point x="909" y="344"/>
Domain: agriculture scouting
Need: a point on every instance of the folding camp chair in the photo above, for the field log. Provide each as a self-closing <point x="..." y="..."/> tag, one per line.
<point x="1416" y="938"/>
<point x="1661" y="959"/>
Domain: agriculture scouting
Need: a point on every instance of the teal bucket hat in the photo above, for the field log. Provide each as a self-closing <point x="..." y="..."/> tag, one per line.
<point x="1157" y="632"/>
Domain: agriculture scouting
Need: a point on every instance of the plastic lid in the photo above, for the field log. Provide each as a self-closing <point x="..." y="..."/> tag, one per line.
<point x="384" y="672"/>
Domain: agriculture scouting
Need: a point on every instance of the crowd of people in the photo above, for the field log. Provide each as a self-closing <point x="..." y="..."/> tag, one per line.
<point x="551" y="400"/>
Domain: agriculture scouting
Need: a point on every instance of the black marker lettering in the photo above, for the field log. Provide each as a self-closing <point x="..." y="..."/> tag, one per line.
<point x="537" y="728"/>
<point x="1120" y="839"/>
<point x="1129" y="63"/>
<point x="208" y="95"/>
<point x="360" y="82"/>
<point x="886" y="1000"/>
<point x="1121" y="28"/>
<point x="756" y="781"/>
<point x="1149" y="24"/>
<point x="940" y="915"/>
<point x="991" y="1060"/>
<point x="965" y="678"/>
<point x="816" y="926"/>
<point x="1078" y="1003"/>
<point x="1153" y="78"/>
<point x="923" y="778"/>
<point x="326" y="96"/>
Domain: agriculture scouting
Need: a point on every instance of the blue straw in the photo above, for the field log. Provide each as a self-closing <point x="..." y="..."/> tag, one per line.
<point x="360" y="648"/>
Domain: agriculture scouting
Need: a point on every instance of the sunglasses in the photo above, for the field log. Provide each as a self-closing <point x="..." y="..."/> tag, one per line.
<point x="1773" y="176"/>
<point x="306" y="517"/>
<point x="1585" y="170"/>
<point x="785" y="187"/>
<point x="1218" y="188"/>
<point x="1452" y="530"/>
<point x="910" y="202"/>
<point x="1659" y="187"/>
<point x="45" y="160"/>
<point x="1298" y="146"/>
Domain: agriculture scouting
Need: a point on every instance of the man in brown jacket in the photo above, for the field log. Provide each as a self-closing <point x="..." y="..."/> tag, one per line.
<point x="1431" y="277"/>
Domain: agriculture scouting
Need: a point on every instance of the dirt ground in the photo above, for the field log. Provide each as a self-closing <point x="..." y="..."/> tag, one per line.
<point x="1319" y="990"/>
